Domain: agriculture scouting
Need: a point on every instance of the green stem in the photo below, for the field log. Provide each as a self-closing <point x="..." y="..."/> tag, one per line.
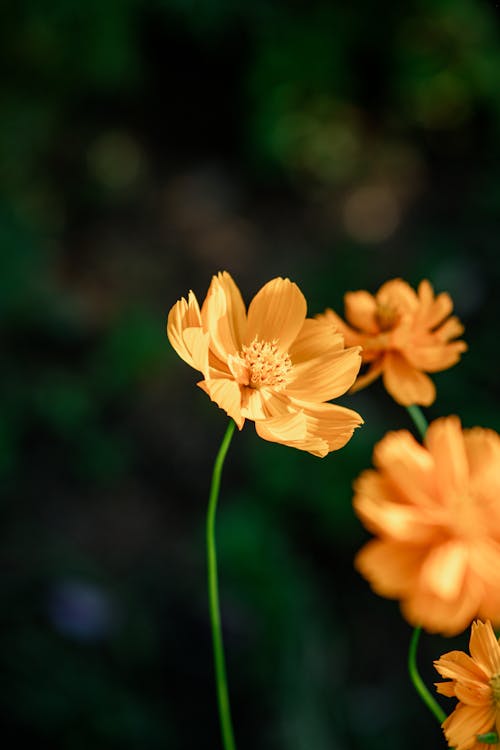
<point x="419" y="420"/>
<point x="420" y="687"/>
<point x="213" y="596"/>
<point x="421" y="424"/>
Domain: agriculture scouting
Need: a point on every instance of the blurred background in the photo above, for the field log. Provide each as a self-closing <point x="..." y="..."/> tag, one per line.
<point x="144" y="146"/>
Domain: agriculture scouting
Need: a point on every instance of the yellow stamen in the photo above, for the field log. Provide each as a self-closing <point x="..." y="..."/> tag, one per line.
<point x="387" y="316"/>
<point x="495" y="688"/>
<point x="266" y="365"/>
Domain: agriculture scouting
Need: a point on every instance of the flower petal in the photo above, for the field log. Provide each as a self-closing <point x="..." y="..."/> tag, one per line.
<point x="484" y="647"/>
<point x="482" y="448"/>
<point x="184" y="314"/>
<point x="223" y="316"/>
<point x="316" y="338"/>
<point x="330" y="423"/>
<point x="408" y="466"/>
<point x="325" y="377"/>
<point x="278" y="312"/>
<point x="465" y="723"/>
<point x="288" y="429"/>
<point x="473" y="695"/>
<point x="406" y="384"/>
<point x="444" y="569"/>
<point x="279" y="426"/>
<point x="461" y="667"/>
<point x="438" y="615"/>
<point x="351" y="337"/>
<point x="446" y="688"/>
<point x="372" y="373"/>
<point x="489" y="607"/>
<point x="226" y="394"/>
<point x="397" y="294"/>
<point x="445" y="442"/>
<point x="393" y="520"/>
<point x="434" y="356"/>
<point x="360" y="310"/>
<point x="328" y="426"/>
<point x="432" y="310"/>
<point x="197" y="342"/>
<point x="450" y="329"/>
<point x="485" y="563"/>
<point x="390" y="567"/>
<point x="253" y="403"/>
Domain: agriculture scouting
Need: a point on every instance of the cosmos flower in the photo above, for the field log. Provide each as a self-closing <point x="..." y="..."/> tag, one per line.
<point x="475" y="681"/>
<point x="404" y="334"/>
<point x="271" y="365"/>
<point x="436" y="512"/>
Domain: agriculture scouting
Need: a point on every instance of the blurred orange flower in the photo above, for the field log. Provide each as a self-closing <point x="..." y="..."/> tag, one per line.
<point x="436" y="511"/>
<point x="404" y="334"/>
<point x="273" y="365"/>
<point x="475" y="681"/>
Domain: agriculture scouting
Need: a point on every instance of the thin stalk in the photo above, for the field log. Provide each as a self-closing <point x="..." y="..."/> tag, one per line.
<point x="419" y="420"/>
<point x="421" y="424"/>
<point x="213" y="596"/>
<point x="420" y="687"/>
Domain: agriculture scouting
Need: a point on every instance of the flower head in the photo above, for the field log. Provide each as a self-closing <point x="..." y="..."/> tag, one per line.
<point x="271" y="365"/>
<point x="475" y="681"/>
<point x="436" y="512"/>
<point x="404" y="334"/>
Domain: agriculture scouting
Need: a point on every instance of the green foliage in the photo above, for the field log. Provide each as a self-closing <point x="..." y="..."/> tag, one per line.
<point x="143" y="147"/>
<point x="130" y="351"/>
<point x="81" y="699"/>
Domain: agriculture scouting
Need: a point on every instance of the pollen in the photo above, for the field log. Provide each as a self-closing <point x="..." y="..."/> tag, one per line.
<point x="267" y="366"/>
<point x="495" y="688"/>
<point x="387" y="316"/>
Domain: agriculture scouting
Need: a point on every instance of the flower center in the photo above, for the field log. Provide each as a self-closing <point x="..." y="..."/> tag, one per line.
<point x="495" y="688"/>
<point x="387" y="316"/>
<point x="266" y="365"/>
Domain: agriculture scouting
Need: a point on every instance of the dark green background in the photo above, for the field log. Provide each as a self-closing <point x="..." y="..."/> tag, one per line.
<point x="145" y="146"/>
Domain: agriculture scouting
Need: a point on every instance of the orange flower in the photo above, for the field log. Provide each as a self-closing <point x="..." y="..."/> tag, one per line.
<point x="436" y="511"/>
<point x="475" y="681"/>
<point x="404" y="335"/>
<point x="273" y="365"/>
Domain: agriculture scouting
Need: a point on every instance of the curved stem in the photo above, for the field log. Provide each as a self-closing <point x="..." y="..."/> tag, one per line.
<point x="420" y="687"/>
<point x="213" y="595"/>
<point x="422" y="426"/>
<point x="419" y="420"/>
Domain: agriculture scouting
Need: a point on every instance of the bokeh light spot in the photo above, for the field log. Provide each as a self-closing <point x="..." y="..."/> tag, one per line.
<point x="371" y="213"/>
